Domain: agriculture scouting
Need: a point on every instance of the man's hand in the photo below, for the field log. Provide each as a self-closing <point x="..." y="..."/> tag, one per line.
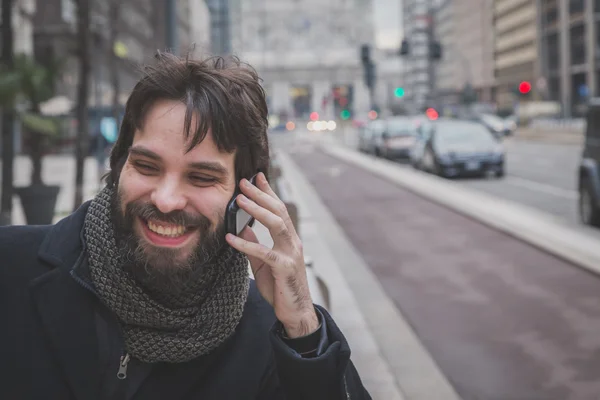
<point x="279" y="272"/>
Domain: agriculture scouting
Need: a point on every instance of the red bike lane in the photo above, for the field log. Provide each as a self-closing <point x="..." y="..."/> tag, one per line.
<point x="503" y="320"/>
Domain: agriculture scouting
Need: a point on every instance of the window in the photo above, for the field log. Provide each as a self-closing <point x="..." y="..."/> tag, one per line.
<point x="552" y="52"/>
<point x="576" y="6"/>
<point x="577" y="45"/>
<point x="68" y="11"/>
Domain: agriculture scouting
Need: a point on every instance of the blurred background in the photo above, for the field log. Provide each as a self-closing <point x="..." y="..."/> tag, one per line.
<point x="454" y="146"/>
<point x="68" y="65"/>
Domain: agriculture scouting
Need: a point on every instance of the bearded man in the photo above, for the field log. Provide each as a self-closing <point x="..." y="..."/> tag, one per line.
<point x="143" y="294"/>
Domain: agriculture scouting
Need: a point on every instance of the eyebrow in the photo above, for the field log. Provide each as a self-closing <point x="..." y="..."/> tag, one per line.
<point x="212" y="166"/>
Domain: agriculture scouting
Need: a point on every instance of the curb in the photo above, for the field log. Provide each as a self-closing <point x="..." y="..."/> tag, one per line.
<point x="532" y="226"/>
<point x="389" y="356"/>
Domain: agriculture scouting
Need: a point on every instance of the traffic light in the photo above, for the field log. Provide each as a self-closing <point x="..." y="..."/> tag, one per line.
<point x="399" y="92"/>
<point x="524" y="87"/>
<point x="404" y="48"/>
<point x="365" y="53"/>
<point x="432" y="114"/>
<point x="370" y="74"/>
<point x="345" y="115"/>
<point x="314" y="116"/>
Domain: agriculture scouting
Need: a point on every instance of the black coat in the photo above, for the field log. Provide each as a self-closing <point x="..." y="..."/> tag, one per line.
<point x="49" y="337"/>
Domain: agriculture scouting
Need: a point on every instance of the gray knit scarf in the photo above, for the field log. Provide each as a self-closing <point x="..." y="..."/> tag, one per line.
<point x="167" y="329"/>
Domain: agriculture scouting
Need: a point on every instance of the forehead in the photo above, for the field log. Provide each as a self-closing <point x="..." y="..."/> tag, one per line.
<point x="163" y="133"/>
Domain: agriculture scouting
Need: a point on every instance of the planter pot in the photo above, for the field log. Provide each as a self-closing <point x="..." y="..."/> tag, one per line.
<point x="39" y="202"/>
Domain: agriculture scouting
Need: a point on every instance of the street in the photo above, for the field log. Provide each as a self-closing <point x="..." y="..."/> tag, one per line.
<point x="538" y="174"/>
<point x="502" y="319"/>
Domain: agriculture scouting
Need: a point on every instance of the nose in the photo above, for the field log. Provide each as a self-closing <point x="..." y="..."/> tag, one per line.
<point x="169" y="196"/>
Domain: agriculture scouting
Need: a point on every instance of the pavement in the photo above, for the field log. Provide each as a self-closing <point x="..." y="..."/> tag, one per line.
<point x="57" y="170"/>
<point x="390" y="358"/>
<point x="559" y="136"/>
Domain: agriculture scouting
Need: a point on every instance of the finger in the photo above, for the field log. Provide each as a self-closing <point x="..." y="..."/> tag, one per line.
<point x="255" y="250"/>
<point x="263" y="184"/>
<point x="273" y="204"/>
<point x="275" y="224"/>
<point x="260" y="197"/>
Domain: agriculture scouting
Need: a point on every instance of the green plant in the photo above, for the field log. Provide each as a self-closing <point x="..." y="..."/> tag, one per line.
<point x="27" y="85"/>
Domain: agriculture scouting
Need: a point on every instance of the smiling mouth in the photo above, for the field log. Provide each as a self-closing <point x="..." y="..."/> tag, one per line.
<point x="166" y="230"/>
<point x="164" y="234"/>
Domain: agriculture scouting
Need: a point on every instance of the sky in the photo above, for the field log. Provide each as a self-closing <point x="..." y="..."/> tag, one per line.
<point x="387" y="19"/>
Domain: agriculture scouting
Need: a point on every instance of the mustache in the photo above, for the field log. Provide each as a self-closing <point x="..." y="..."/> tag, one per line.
<point x="148" y="211"/>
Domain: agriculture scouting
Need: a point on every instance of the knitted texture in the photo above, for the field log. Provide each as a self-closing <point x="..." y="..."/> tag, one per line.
<point x="175" y="328"/>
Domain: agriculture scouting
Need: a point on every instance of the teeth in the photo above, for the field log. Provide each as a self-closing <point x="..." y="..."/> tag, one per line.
<point x="170" y="231"/>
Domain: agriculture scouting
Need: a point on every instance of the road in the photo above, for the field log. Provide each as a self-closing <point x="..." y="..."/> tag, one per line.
<point x="503" y="320"/>
<point x="539" y="175"/>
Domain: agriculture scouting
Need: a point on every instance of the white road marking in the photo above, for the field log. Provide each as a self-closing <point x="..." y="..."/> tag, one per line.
<point x="542" y="187"/>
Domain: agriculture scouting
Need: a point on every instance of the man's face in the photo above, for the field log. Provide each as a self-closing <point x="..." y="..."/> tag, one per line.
<point x="170" y="205"/>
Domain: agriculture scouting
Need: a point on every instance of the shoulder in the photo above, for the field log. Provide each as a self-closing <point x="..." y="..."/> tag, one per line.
<point x="22" y="241"/>
<point x="19" y="251"/>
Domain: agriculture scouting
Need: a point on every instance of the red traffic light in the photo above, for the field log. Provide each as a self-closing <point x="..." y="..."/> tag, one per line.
<point x="432" y="114"/>
<point x="314" y="116"/>
<point x="524" y="87"/>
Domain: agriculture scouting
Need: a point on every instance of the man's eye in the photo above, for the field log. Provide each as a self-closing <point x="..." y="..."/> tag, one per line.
<point x="201" y="180"/>
<point x="145" y="169"/>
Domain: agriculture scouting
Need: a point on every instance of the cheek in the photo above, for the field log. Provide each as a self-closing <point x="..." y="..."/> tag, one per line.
<point x="212" y="204"/>
<point x="132" y="186"/>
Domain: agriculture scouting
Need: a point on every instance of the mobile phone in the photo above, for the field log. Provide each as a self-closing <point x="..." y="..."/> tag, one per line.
<point x="237" y="219"/>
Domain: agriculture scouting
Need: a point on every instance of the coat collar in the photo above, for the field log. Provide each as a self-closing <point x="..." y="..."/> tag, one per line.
<point x="66" y="308"/>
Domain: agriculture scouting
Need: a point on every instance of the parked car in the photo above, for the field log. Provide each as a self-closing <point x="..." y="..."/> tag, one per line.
<point x="369" y="134"/>
<point x="399" y="137"/>
<point x="452" y="148"/>
<point x="589" y="168"/>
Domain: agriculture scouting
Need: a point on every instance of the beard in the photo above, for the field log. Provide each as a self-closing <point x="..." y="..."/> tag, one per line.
<point x="165" y="271"/>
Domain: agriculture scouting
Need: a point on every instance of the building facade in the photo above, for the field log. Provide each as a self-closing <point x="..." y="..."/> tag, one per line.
<point x="515" y="49"/>
<point x="569" y="32"/>
<point x="418" y="68"/>
<point x="200" y="27"/>
<point x="221" y="16"/>
<point x="141" y="30"/>
<point x="464" y="29"/>
<point x="449" y="77"/>
<point x="307" y="52"/>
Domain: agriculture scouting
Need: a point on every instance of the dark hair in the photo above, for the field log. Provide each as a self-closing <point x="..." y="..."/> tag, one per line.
<point x="223" y="93"/>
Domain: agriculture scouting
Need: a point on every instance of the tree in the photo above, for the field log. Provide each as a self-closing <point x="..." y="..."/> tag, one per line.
<point x="84" y="42"/>
<point x="7" y="118"/>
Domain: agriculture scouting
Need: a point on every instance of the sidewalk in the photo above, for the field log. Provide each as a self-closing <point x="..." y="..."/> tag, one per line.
<point x="392" y="362"/>
<point x="57" y="170"/>
<point x="549" y="136"/>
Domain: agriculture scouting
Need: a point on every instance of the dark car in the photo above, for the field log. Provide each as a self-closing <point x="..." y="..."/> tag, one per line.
<point x="398" y="139"/>
<point x="589" y="168"/>
<point x="454" y="148"/>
